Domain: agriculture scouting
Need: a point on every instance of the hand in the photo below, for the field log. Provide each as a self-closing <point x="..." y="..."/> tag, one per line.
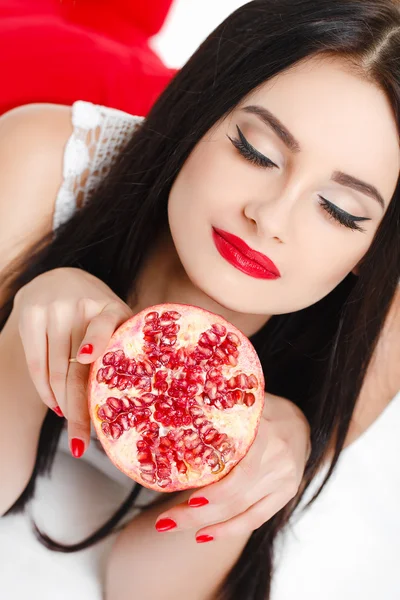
<point x="262" y="483"/>
<point x="61" y="312"/>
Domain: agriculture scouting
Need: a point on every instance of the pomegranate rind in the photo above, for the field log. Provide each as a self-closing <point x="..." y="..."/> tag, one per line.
<point x="239" y="423"/>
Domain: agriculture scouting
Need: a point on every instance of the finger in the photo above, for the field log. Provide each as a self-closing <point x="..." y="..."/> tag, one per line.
<point x="250" y="520"/>
<point x="32" y="329"/>
<point x="59" y="325"/>
<point x="100" y="330"/>
<point x="76" y="395"/>
<point x="205" y="512"/>
<point x="238" y="486"/>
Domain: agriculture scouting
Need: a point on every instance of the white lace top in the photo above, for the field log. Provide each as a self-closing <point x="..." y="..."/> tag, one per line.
<point x="99" y="133"/>
<point x="347" y="545"/>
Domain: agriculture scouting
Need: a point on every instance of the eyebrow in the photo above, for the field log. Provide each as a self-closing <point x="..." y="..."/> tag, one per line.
<point x="294" y="146"/>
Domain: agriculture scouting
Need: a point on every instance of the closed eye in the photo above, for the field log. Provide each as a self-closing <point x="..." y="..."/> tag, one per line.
<point x="341" y="216"/>
<point x="249" y="152"/>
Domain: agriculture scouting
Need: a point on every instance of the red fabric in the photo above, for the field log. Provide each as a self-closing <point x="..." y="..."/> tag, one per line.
<point x="97" y="50"/>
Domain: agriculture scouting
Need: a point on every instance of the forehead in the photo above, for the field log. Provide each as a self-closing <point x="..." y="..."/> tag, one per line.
<point x="338" y="118"/>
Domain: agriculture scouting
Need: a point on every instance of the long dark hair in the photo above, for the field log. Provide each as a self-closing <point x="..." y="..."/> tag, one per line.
<point x="326" y="347"/>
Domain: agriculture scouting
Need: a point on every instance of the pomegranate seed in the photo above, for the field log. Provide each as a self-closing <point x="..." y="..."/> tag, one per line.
<point x="113" y="382"/>
<point x="192" y="390"/>
<point x="142" y="426"/>
<point x="212" y="393"/>
<point x="199" y="449"/>
<point x="126" y="402"/>
<point x="213" y="374"/>
<point x="118" y="356"/>
<point x="106" y="428"/>
<point x="143" y="455"/>
<point x="221" y="437"/>
<point x="226" y="449"/>
<point x="232" y="383"/>
<point x="252" y="381"/>
<point x="123" y="422"/>
<point x="171" y="314"/>
<point x="210" y="435"/>
<point x="204" y="351"/>
<point x="108" y="372"/>
<point x="229" y="348"/>
<point x="228" y="401"/>
<point x="131" y="367"/>
<point x="169" y="340"/>
<point x="147" y="467"/>
<point x="180" y="465"/>
<point x="204" y="340"/>
<point x="165" y="483"/>
<point x="116" y="431"/>
<point x="219" y="468"/>
<point x="205" y="427"/>
<point x="233" y="338"/>
<point x="151" y="316"/>
<point x="124" y="365"/>
<point x="149" y="477"/>
<point x="149" y="367"/>
<point x="115" y="404"/>
<point x="106" y="412"/>
<point x="219" y="329"/>
<point x="213" y="337"/>
<point x="171" y="329"/>
<point x="219" y="353"/>
<point x="122" y="383"/>
<point x="148" y="398"/>
<point x="221" y="387"/>
<point x="241" y="381"/>
<point x="108" y="359"/>
<point x="249" y="399"/>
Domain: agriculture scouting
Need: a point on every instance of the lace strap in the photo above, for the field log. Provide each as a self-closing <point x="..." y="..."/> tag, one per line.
<point x="99" y="134"/>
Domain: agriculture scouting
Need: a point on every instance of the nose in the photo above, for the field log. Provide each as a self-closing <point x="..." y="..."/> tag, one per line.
<point x="271" y="218"/>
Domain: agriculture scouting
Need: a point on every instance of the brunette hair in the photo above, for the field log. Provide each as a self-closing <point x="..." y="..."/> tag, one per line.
<point x="325" y="348"/>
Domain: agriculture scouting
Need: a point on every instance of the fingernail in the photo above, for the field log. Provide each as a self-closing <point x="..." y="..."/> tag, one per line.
<point x="86" y="349"/>
<point x="199" y="501"/>
<point x="201" y="539"/>
<point x="58" y="411"/>
<point x="77" y="447"/>
<point x="165" y="525"/>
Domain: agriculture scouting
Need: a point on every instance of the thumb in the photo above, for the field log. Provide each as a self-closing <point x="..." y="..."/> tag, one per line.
<point x="100" y="330"/>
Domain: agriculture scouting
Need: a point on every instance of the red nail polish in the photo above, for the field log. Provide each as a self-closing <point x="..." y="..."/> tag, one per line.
<point x="199" y="501"/>
<point x="77" y="447"/>
<point x="200" y="539"/>
<point x="165" y="525"/>
<point x="86" y="349"/>
<point x="58" y="411"/>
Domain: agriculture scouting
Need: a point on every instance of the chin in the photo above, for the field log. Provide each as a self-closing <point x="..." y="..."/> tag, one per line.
<point x="227" y="298"/>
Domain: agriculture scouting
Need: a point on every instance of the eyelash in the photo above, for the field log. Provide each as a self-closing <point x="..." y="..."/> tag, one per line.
<point x="256" y="158"/>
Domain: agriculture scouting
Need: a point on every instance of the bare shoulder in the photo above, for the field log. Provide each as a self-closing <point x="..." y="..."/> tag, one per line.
<point x="32" y="143"/>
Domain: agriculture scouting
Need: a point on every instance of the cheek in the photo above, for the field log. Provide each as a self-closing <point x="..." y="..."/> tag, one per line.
<point x="327" y="258"/>
<point x="209" y="182"/>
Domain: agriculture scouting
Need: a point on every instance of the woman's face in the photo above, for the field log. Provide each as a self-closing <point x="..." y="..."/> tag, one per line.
<point x="335" y="129"/>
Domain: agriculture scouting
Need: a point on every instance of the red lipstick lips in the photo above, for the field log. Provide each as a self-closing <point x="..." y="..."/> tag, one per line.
<point x="244" y="258"/>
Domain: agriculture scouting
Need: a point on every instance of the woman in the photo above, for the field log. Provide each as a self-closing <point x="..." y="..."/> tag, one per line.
<point x="254" y="137"/>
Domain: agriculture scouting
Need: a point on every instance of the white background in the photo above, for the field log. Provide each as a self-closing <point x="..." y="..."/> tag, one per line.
<point x="189" y="22"/>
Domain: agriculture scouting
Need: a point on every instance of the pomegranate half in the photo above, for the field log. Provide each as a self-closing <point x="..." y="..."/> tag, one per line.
<point x="177" y="397"/>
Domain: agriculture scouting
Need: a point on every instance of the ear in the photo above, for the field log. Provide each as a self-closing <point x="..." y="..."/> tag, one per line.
<point x="356" y="270"/>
